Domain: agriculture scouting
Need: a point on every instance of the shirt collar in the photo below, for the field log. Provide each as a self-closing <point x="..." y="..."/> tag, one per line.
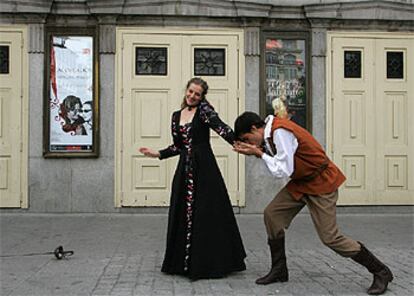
<point x="268" y="126"/>
<point x="267" y="134"/>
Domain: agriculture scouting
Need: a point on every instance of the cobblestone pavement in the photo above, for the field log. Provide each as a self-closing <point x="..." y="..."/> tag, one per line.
<point x="122" y="255"/>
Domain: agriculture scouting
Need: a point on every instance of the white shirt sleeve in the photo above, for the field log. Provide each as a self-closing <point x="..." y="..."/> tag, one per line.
<point x="282" y="164"/>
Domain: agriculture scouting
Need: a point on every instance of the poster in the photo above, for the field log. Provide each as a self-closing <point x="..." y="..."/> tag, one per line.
<point x="286" y="77"/>
<point x="71" y="103"/>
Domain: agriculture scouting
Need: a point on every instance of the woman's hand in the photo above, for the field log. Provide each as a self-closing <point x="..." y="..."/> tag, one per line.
<point x="247" y="149"/>
<point x="149" y="152"/>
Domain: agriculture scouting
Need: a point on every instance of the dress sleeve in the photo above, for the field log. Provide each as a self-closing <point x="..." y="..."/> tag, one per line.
<point x="210" y="117"/>
<point x="174" y="149"/>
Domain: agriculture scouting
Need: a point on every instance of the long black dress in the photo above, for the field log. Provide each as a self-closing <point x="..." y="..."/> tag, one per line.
<point x="203" y="240"/>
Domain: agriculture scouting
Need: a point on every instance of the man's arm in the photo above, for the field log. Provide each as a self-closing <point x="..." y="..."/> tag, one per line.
<point x="282" y="164"/>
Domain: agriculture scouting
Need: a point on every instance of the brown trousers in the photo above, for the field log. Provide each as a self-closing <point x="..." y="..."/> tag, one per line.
<point x="283" y="208"/>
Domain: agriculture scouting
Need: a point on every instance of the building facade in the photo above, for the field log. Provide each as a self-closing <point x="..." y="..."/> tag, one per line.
<point x="84" y="84"/>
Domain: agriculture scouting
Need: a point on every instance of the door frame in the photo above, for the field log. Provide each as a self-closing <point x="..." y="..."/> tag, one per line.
<point x="120" y="31"/>
<point x="24" y="162"/>
<point x="330" y="35"/>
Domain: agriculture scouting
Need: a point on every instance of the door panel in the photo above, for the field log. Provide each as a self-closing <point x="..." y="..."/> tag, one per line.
<point x="395" y="133"/>
<point x="146" y="112"/>
<point x="222" y="94"/>
<point x="353" y="138"/>
<point x="10" y="119"/>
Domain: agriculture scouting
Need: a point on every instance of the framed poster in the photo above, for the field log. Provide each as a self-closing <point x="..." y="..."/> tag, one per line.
<point x="71" y="115"/>
<point x="286" y="74"/>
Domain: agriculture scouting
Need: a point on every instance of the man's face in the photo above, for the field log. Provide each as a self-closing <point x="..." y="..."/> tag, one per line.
<point x="254" y="137"/>
<point x="87" y="112"/>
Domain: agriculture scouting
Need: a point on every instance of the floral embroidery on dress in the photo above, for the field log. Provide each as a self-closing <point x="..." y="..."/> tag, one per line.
<point x="182" y="144"/>
<point x="210" y="117"/>
<point x="185" y="131"/>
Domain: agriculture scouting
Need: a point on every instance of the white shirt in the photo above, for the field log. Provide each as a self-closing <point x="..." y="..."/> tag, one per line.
<point x="280" y="165"/>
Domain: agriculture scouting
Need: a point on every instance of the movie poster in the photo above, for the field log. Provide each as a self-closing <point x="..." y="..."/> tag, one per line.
<point x="71" y="94"/>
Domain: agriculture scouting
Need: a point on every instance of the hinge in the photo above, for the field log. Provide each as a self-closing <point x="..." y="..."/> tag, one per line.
<point x="122" y="44"/>
<point x="21" y="146"/>
<point x="122" y="147"/>
<point x="238" y="94"/>
<point x="122" y="93"/>
<point x="332" y="98"/>
<point x="22" y="44"/>
<point x="238" y="45"/>
<point x="332" y="148"/>
<point x="122" y="197"/>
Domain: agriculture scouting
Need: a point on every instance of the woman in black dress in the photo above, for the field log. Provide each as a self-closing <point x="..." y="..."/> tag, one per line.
<point x="203" y="240"/>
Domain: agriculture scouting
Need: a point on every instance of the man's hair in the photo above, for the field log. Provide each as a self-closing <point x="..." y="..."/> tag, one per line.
<point x="245" y="122"/>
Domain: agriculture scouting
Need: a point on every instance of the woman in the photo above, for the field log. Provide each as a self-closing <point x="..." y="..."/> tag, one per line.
<point x="203" y="240"/>
<point x="70" y="112"/>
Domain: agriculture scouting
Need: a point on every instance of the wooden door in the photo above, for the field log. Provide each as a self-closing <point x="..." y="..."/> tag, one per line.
<point x="154" y="67"/>
<point x="13" y="164"/>
<point x="372" y="127"/>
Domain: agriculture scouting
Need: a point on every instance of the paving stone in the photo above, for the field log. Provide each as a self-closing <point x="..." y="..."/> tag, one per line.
<point x="122" y="255"/>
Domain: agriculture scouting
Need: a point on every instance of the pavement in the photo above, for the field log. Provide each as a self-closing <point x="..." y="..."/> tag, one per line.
<point x="121" y="254"/>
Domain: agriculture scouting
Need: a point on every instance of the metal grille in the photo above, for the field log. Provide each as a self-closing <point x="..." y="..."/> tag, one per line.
<point x="4" y="59"/>
<point x="151" y="61"/>
<point x="352" y="64"/>
<point x="209" y="61"/>
<point x="395" y="65"/>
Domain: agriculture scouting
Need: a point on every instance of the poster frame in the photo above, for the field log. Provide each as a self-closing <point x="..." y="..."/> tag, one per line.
<point x="76" y="150"/>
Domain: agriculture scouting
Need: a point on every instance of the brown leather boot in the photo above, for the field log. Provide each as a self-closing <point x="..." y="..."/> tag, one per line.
<point x="278" y="271"/>
<point x="382" y="274"/>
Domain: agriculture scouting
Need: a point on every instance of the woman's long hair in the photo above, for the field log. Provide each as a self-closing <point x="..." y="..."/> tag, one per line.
<point x="197" y="81"/>
<point x="69" y="104"/>
<point x="280" y="108"/>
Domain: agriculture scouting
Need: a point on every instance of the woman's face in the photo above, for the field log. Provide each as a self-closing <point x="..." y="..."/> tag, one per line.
<point x="193" y="94"/>
<point x="73" y="113"/>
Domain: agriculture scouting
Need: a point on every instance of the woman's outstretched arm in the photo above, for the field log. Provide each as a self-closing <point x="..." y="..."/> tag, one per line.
<point x="211" y="117"/>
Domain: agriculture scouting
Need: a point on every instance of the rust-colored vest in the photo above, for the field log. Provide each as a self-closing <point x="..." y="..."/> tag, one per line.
<point x="313" y="173"/>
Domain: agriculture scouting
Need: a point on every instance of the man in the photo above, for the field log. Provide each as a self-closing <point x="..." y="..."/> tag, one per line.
<point x="288" y="150"/>
<point x="87" y="113"/>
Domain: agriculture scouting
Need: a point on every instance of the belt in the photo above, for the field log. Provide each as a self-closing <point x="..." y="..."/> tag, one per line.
<point x="316" y="173"/>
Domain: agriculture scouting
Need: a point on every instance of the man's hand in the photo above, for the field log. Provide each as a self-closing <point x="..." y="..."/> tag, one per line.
<point x="247" y="149"/>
